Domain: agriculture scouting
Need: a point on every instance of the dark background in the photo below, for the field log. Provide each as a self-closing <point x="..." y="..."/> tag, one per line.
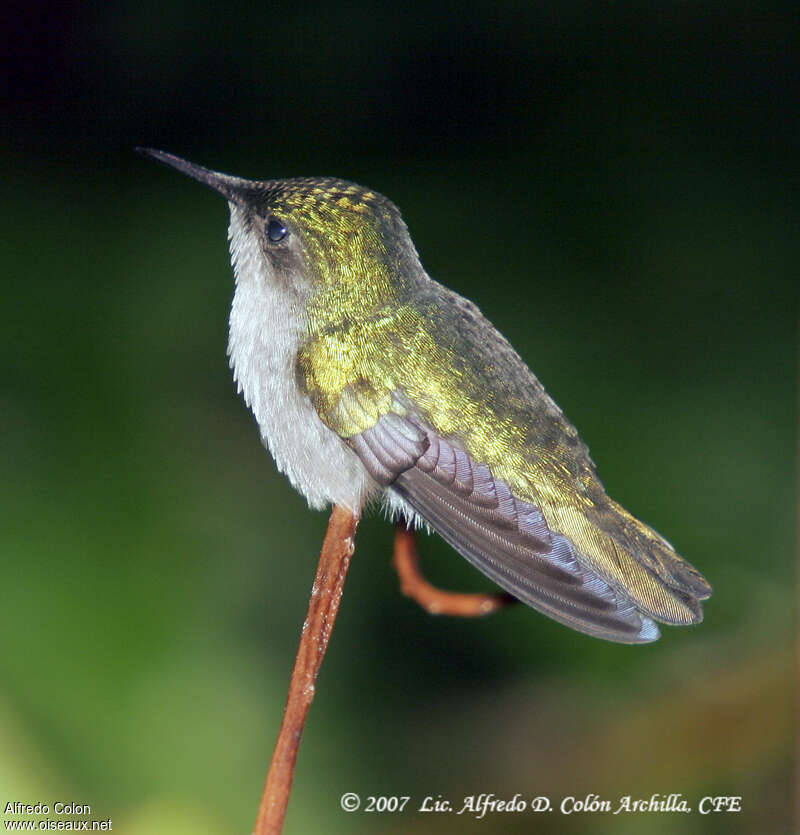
<point x="614" y="184"/>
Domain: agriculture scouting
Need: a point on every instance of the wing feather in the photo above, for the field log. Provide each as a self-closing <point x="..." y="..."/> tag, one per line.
<point x="506" y="538"/>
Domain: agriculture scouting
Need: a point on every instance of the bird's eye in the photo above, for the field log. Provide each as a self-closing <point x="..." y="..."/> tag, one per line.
<point x="276" y="231"/>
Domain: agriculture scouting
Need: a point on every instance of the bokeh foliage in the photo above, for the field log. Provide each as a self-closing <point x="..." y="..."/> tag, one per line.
<point x="612" y="185"/>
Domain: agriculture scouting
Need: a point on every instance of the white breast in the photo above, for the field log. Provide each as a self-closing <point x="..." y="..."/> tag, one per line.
<point x="264" y="336"/>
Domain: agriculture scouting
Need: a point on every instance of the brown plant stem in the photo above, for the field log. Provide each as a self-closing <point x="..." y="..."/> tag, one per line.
<point x="334" y="560"/>
<point x="433" y="600"/>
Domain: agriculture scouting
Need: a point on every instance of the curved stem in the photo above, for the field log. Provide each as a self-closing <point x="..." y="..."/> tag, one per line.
<point x="433" y="600"/>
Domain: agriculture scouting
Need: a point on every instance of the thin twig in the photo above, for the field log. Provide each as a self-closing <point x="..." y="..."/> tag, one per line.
<point x="433" y="600"/>
<point x="334" y="560"/>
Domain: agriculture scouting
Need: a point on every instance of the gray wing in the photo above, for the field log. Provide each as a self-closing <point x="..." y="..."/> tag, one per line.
<point x="505" y="538"/>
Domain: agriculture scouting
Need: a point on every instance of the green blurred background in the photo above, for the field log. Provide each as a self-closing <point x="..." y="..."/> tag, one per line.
<point x="614" y="184"/>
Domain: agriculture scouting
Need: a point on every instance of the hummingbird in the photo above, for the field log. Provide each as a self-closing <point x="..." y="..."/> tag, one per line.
<point x="369" y="381"/>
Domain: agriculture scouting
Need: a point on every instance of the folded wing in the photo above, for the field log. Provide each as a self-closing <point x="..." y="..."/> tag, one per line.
<point x="506" y="538"/>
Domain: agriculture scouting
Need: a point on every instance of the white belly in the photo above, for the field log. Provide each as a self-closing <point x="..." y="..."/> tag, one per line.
<point x="263" y="340"/>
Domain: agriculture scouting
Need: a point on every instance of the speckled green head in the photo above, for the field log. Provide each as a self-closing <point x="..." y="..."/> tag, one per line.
<point x="368" y="379"/>
<point x="346" y="244"/>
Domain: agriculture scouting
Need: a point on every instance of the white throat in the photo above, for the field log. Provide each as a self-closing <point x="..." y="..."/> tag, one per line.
<point x="264" y="336"/>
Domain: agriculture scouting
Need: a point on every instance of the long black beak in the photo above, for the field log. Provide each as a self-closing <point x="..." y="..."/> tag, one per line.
<point x="234" y="189"/>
